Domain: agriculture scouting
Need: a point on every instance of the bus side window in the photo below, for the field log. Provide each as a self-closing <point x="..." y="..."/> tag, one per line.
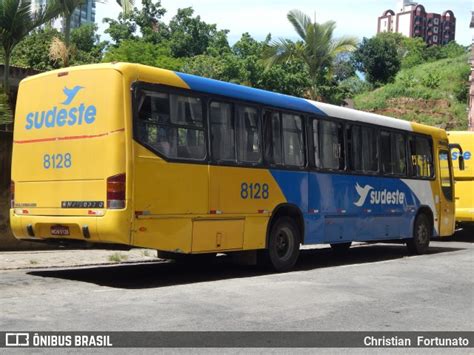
<point x="316" y="147"/>
<point x="293" y="143"/>
<point x="421" y="157"/>
<point x="222" y="131"/>
<point x="171" y="125"/>
<point x="354" y="148"/>
<point x="186" y="112"/>
<point x="399" y="154"/>
<point x="331" y="140"/>
<point x="272" y="137"/>
<point x="386" y="152"/>
<point x="370" y="153"/>
<point x="248" y="135"/>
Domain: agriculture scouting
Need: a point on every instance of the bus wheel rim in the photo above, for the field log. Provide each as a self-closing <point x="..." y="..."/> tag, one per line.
<point x="283" y="243"/>
<point x="422" y="234"/>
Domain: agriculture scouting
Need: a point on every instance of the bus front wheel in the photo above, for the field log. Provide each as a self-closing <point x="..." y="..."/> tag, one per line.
<point x="283" y="245"/>
<point x="421" y="236"/>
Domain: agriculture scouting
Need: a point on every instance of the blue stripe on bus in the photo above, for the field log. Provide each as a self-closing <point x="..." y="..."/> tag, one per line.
<point x="328" y="203"/>
<point x="246" y="93"/>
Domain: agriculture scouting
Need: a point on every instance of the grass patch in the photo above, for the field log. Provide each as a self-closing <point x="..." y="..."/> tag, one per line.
<point x="431" y="93"/>
<point x="117" y="257"/>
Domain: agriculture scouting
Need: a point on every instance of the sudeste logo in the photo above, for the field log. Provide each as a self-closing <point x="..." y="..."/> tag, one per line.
<point x="378" y="197"/>
<point x="466" y="155"/>
<point x="59" y="117"/>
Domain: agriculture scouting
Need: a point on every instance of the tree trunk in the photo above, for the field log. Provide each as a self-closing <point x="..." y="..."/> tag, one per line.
<point x="6" y="72"/>
<point x="67" y="30"/>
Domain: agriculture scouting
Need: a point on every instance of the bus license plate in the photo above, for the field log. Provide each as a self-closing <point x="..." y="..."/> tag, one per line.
<point x="60" y="230"/>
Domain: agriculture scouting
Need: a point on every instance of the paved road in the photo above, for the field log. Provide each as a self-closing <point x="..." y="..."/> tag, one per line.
<point x="374" y="287"/>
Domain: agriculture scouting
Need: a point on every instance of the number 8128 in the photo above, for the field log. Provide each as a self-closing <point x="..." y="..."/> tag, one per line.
<point x="254" y="191"/>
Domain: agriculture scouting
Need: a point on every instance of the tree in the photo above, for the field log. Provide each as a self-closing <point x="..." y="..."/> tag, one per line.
<point x="86" y="45"/>
<point x="16" y="21"/>
<point x="140" y="51"/>
<point x="241" y="65"/>
<point x="66" y="9"/>
<point x="378" y="58"/>
<point x="147" y="20"/>
<point x="33" y="50"/>
<point x="190" y="35"/>
<point x="316" y="48"/>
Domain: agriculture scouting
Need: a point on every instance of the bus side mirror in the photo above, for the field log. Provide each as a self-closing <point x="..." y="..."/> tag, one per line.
<point x="461" y="154"/>
<point x="461" y="162"/>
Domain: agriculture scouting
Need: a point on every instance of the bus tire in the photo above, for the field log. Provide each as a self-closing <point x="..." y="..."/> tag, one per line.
<point x="422" y="233"/>
<point x="283" y="245"/>
<point x="341" y="248"/>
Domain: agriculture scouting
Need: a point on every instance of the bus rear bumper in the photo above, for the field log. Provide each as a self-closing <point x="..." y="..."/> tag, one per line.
<point x="113" y="227"/>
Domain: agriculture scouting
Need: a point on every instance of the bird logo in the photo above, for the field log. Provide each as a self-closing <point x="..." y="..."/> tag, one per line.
<point x="71" y="94"/>
<point x="363" y="192"/>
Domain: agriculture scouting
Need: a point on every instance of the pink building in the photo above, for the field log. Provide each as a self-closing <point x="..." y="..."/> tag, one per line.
<point x="412" y="20"/>
<point x="471" y="79"/>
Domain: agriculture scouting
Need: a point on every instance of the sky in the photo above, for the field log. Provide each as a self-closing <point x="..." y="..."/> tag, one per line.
<point x="260" y="17"/>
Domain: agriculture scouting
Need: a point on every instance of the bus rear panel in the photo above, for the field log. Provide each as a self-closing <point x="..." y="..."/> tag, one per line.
<point x="69" y="157"/>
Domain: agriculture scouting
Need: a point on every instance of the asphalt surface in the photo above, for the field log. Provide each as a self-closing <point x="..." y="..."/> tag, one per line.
<point x="373" y="287"/>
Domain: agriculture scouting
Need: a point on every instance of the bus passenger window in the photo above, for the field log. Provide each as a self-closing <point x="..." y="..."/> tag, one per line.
<point x="331" y="142"/>
<point x="222" y="131"/>
<point x="386" y="153"/>
<point x="272" y="134"/>
<point x="171" y="124"/>
<point x="370" y="156"/>
<point x="393" y="153"/>
<point x="248" y="135"/>
<point x="354" y="148"/>
<point x="399" y="154"/>
<point x="317" y="159"/>
<point x="293" y="143"/>
<point x="421" y="157"/>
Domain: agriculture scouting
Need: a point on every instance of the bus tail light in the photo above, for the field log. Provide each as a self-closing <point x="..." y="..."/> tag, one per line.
<point x="12" y="194"/>
<point x="116" y="191"/>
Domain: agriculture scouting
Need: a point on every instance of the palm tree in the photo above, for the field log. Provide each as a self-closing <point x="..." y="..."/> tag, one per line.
<point x="67" y="8"/>
<point x="316" y="48"/>
<point x="16" y="21"/>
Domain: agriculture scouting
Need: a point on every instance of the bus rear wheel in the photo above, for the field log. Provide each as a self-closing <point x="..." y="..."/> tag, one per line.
<point x="422" y="233"/>
<point x="283" y="245"/>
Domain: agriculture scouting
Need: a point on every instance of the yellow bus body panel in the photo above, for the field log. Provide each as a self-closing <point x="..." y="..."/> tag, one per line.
<point x="464" y="178"/>
<point x="48" y="124"/>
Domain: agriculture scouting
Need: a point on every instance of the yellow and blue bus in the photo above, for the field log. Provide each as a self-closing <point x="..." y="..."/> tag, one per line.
<point x="464" y="179"/>
<point x="131" y="155"/>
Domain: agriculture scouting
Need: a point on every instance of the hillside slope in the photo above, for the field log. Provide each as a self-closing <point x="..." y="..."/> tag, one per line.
<point x="432" y="93"/>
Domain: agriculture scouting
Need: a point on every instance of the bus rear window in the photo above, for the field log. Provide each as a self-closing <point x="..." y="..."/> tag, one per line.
<point x="171" y="125"/>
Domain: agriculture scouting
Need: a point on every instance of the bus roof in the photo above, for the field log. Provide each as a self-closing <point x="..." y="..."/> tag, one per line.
<point x="245" y="93"/>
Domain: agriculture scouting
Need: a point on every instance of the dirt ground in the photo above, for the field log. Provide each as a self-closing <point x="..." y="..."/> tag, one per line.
<point x="10" y="260"/>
